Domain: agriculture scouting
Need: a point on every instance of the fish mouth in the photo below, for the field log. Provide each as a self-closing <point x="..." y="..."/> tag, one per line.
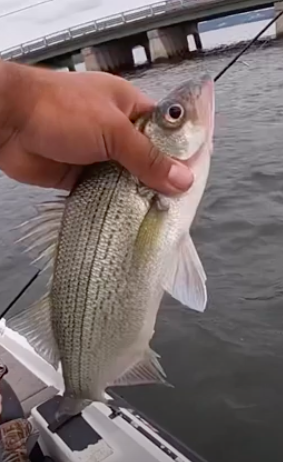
<point x="205" y="105"/>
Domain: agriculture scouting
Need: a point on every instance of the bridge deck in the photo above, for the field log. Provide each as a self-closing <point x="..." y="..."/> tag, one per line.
<point x="120" y="25"/>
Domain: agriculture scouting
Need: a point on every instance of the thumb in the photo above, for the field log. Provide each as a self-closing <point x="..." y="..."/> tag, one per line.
<point x="137" y="154"/>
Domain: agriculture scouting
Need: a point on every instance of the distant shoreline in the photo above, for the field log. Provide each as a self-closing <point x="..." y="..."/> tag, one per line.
<point x="236" y="20"/>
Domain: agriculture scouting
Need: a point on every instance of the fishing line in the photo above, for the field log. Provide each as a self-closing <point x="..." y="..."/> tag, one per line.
<point x="225" y="69"/>
<point x="22" y="291"/>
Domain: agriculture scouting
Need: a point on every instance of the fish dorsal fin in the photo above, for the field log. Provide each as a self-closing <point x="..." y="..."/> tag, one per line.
<point x="34" y="323"/>
<point x="42" y="231"/>
<point x="146" y="371"/>
<point x="186" y="279"/>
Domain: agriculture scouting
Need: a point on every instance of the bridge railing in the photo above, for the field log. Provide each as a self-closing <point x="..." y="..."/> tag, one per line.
<point x="95" y="26"/>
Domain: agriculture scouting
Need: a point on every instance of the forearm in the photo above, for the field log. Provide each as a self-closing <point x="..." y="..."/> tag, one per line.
<point x="16" y="95"/>
<point x="9" y="98"/>
<point x="5" y="103"/>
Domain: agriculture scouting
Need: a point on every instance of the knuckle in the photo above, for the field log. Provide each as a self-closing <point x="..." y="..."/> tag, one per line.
<point x="156" y="168"/>
<point x="155" y="158"/>
<point x="115" y="137"/>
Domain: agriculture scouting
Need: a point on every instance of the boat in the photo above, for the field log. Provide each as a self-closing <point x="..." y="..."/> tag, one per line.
<point x="31" y="388"/>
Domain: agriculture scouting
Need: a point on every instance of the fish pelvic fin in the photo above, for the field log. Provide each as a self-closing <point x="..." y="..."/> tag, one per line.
<point x="185" y="278"/>
<point x="34" y="323"/>
<point x="42" y="231"/>
<point x="146" y="371"/>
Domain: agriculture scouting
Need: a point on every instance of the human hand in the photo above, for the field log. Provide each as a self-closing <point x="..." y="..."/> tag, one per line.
<point x="58" y="122"/>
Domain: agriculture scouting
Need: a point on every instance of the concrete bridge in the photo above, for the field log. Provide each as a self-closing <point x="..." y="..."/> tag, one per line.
<point x="106" y="44"/>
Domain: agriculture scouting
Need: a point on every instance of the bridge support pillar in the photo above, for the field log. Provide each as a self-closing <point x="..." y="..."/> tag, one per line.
<point x="71" y="65"/>
<point x="109" y="57"/>
<point x="91" y="60"/>
<point x="168" y="42"/>
<point x="60" y="62"/>
<point x="278" y="6"/>
<point x="147" y="53"/>
<point x="192" y="29"/>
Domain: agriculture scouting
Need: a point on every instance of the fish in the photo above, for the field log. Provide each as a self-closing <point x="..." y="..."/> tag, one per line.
<point x="115" y="247"/>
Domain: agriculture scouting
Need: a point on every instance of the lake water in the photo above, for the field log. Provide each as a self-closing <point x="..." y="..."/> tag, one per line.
<point x="226" y="364"/>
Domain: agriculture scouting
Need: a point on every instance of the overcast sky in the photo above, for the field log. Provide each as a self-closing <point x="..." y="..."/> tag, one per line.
<point x="24" y="20"/>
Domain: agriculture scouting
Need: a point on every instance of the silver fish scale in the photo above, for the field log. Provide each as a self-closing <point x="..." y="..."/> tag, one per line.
<point x="94" y="311"/>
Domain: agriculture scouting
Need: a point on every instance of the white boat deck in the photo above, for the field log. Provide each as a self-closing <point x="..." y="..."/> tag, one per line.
<point x="30" y="390"/>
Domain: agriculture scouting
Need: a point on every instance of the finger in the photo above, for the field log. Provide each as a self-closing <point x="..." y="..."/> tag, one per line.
<point x="130" y="100"/>
<point x="140" y="105"/>
<point x="69" y="178"/>
<point x="35" y="170"/>
<point x="136" y="153"/>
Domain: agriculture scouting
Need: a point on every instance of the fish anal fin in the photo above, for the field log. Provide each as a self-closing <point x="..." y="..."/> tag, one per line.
<point x="186" y="279"/>
<point x="146" y="371"/>
<point x="34" y="323"/>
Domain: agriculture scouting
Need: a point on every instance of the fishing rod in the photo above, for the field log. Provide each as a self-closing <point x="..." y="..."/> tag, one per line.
<point x="235" y="59"/>
<point x="225" y="69"/>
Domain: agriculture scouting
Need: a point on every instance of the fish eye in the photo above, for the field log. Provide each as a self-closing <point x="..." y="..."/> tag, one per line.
<point x="174" y="113"/>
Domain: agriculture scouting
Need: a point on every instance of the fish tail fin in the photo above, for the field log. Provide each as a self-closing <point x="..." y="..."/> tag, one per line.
<point x="71" y="406"/>
<point x="68" y="408"/>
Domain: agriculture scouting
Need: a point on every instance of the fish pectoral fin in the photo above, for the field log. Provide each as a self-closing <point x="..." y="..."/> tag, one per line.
<point x="34" y="323"/>
<point x="146" y="371"/>
<point x="186" y="279"/>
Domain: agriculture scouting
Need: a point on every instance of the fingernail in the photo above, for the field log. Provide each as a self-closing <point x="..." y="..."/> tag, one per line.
<point x="180" y="177"/>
